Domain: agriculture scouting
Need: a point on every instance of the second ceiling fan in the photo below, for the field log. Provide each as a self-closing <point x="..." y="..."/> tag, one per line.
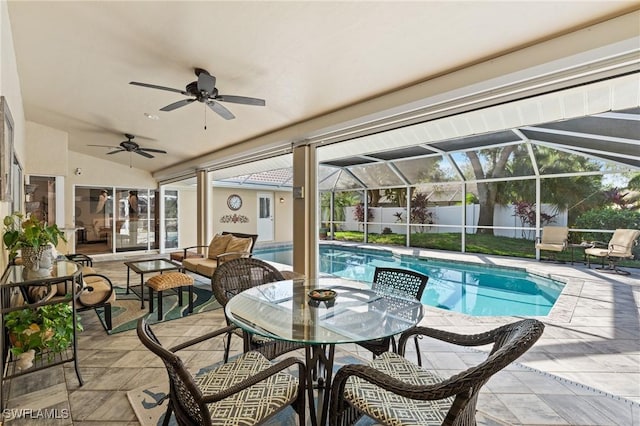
<point x="204" y="90"/>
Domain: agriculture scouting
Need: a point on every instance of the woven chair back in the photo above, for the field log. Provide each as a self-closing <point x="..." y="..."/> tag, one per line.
<point x="185" y="397"/>
<point x="400" y="282"/>
<point x="237" y="275"/>
<point x="509" y="343"/>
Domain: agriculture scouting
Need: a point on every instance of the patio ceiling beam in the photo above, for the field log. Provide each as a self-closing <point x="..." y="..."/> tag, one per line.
<point x="619" y="116"/>
<point x="582" y="135"/>
<point x="583" y="152"/>
<point x="532" y="156"/>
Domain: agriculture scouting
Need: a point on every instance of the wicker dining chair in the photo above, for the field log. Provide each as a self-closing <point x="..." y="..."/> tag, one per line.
<point x="235" y="276"/>
<point x="393" y="390"/>
<point x="246" y="391"/>
<point x="396" y="282"/>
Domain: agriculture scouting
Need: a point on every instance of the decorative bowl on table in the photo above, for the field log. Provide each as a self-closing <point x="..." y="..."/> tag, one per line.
<point x="322" y="294"/>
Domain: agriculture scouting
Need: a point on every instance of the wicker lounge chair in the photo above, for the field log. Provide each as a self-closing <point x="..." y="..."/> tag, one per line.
<point x="246" y="391"/>
<point x="619" y="247"/>
<point x="237" y="275"/>
<point x="393" y="390"/>
<point x="398" y="282"/>
<point x="554" y="238"/>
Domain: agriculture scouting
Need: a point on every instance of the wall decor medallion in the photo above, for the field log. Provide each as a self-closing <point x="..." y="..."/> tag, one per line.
<point x="234" y="218"/>
<point x="234" y="202"/>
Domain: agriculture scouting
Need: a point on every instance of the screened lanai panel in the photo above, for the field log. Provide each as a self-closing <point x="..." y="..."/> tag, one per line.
<point x="351" y="161"/>
<point x="427" y="169"/>
<point x="488" y="163"/>
<point x="339" y="182"/>
<point x="411" y="151"/>
<point x="570" y="140"/>
<point x="633" y="162"/>
<point x="376" y="175"/>
<point x="552" y="161"/>
<point x="605" y="125"/>
<point x="476" y="141"/>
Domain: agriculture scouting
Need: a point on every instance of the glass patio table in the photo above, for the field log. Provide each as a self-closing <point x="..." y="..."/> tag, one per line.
<point x="284" y="310"/>
<point x="142" y="267"/>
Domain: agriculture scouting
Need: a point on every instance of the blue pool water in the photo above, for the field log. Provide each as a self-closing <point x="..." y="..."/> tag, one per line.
<point x="456" y="286"/>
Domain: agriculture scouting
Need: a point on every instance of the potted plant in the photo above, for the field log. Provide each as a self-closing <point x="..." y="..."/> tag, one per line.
<point x="32" y="237"/>
<point x="46" y="329"/>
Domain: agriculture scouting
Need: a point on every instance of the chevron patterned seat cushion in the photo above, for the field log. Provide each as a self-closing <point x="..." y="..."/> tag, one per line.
<point x="389" y="408"/>
<point x="254" y="404"/>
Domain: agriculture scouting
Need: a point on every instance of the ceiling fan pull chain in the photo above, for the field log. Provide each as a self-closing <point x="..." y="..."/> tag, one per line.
<point x="205" y="117"/>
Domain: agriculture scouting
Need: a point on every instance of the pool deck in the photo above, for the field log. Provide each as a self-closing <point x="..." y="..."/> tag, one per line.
<point x="584" y="370"/>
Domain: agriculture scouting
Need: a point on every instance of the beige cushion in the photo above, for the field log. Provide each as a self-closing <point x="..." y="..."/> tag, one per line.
<point x="551" y="247"/>
<point x="599" y="252"/>
<point x="41" y="293"/>
<point x="621" y="243"/>
<point x="238" y="245"/>
<point x="207" y="268"/>
<point x="191" y="263"/>
<point x="218" y="245"/>
<point x="63" y="288"/>
<point x="95" y="291"/>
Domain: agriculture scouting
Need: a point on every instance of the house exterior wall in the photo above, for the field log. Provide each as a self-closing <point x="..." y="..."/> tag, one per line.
<point x="225" y="219"/>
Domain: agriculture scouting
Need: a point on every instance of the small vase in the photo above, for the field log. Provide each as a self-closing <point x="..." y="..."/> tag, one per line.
<point x="37" y="258"/>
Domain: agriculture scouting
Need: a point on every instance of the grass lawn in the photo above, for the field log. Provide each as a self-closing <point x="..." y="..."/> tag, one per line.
<point x="476" y="243"/>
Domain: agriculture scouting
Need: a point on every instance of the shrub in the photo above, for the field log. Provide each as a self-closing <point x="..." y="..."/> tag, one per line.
<point x="607" y="218"/>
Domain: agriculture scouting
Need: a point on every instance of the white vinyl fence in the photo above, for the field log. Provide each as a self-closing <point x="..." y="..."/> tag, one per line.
<point x="449" y="218"/>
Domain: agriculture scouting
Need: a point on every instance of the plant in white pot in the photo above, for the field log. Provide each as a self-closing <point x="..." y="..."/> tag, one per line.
<point x="34" y="239"/>
<point x="34" y="332"/>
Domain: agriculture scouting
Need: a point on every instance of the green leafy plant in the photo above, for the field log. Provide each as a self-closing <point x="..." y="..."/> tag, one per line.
<point x="31" y="232"/>
<point x="46" y="328"/>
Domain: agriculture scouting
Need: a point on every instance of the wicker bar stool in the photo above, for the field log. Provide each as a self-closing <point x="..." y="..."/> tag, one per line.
<point x="169" y="281"/>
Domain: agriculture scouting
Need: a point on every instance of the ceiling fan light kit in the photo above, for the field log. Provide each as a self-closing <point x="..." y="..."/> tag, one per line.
<point x="204" y="90"/>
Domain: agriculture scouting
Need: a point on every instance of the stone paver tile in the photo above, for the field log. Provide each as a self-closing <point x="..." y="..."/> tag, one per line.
<point x="580" y="410"/>
<point x="531" y="410"/>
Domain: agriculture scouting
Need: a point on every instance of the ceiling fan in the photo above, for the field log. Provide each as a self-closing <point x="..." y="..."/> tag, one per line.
<point x="204" y="90"/>
<point x="130" y="146"/>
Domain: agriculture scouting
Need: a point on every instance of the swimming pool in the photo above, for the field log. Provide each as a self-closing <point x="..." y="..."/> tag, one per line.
<point x="476" y="290"/>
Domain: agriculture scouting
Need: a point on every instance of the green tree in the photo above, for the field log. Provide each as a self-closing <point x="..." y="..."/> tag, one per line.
<point x="340" y="201"/>
<point x="578" y="193"/>
<point x="495" y="166"/>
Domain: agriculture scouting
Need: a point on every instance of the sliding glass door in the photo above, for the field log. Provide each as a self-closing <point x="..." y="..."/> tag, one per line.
<point x="115" y="219"/>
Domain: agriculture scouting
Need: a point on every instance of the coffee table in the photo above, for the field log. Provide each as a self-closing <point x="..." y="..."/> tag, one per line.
<point x="284" y="310"/>
<point x="147" y="266"/>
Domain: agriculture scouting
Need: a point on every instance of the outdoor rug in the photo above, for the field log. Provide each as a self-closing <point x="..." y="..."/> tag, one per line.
<point x="126" y="311"/>
<point x="144" y="400"/>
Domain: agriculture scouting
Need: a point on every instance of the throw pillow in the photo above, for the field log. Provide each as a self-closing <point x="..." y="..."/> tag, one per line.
<point x="41" y="293"/>
<point x="218" y="245"/>
<point x="238" y="245"/>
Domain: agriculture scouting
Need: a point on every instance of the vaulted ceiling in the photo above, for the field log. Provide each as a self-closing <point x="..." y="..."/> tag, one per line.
<point x="306" y="59"/>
